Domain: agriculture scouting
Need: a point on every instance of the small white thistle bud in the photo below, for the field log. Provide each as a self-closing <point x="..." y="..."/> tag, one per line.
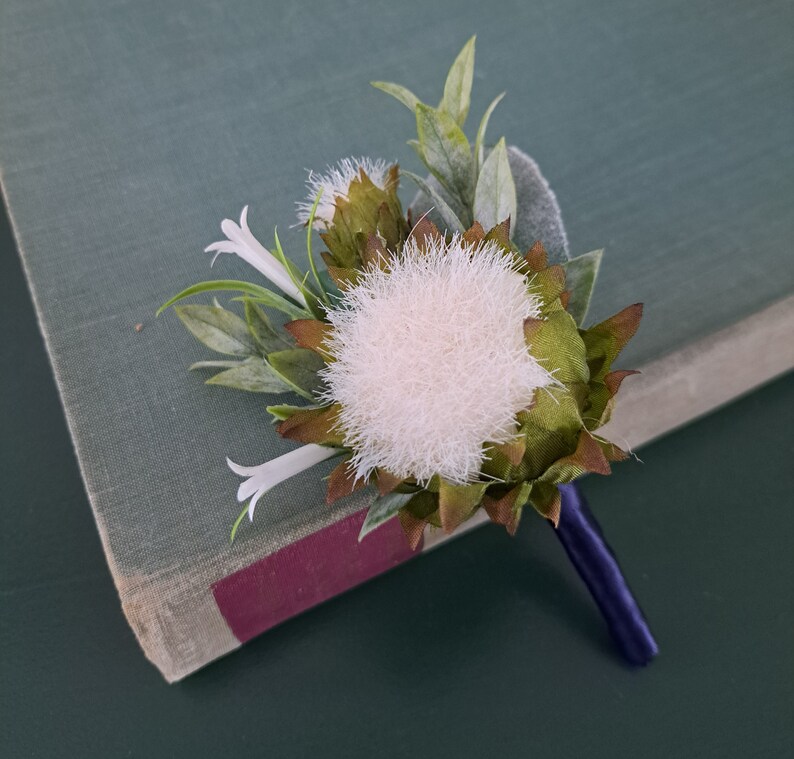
<point x="430" y="360"/>
<point x="334" y="183"/>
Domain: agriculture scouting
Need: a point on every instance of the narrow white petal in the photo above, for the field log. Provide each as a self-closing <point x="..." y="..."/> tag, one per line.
<point x="231" y="230"/>
<point x="262" y="478"/>
<point x="254" y="501"/>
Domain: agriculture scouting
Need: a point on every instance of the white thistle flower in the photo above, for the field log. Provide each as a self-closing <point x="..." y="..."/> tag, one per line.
<point x="266" y="476"/>
<point x="334" y="183"/>
<point x="242" y="242"/>
<point x="430" y="360"/>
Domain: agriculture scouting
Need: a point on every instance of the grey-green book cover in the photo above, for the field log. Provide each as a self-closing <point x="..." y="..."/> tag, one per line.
<point x="128" y="130"/>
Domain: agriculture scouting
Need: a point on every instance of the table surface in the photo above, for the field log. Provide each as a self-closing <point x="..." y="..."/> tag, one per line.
<point x="442" y="657"/>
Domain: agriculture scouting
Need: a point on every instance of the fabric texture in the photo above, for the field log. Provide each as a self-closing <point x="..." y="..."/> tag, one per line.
<point x="129" y="130"/>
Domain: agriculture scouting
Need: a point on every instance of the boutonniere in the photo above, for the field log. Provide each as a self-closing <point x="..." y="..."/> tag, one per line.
<point x="440" y="354"/>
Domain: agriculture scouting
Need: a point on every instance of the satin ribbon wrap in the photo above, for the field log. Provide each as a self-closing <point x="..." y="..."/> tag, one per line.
<point x="581" y="536"/>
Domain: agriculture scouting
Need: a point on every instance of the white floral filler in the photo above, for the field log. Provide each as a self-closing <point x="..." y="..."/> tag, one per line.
<point x="430" y="360"/>
<point x="334" y="183"/>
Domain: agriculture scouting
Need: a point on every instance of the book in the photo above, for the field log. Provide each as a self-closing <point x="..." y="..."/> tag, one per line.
<point x="125" y="137"/>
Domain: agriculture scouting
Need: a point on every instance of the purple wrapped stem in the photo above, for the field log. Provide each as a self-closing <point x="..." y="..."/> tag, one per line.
<point x="584" y="543"/>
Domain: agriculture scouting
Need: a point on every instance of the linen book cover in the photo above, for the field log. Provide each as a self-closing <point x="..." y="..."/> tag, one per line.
<point x="126" y="135"/>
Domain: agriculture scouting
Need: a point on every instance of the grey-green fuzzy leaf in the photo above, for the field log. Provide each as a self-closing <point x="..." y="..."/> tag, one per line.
<point x="495" y="196"/>
<point x="253" y="375"/>
<point x="445" y="151"/>
<point x="382" y="510"/>
<point x="457" y="88"/>
<point x="580" y="277"/>
<point x="219" y="329"/>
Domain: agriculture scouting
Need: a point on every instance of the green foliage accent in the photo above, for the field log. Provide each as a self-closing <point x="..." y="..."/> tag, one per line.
<point x="219" y="329"/>
<point x="213" y="365"/>
<point x="309" y="231"/>
<point x="580" y="278"/>
<point x="237" y="523"/>
<point x="495" y="196"/>
<point x="298" y="367"/>
<point x="457" y="88"/>
<point x="479" y="142"/>
<point x="456" y="503"/>
<point x="298" y="279"/>
<point x="256" y="293"/>
<point x="557" y="344"/>
<point x="405" y="96"/>
<point x="284" y="411"/>
<point x="252" y="375"/>
<point x="444" y="149"/>
<point x="447" y="214"/>
<point x="446" y="153"/>
<point x="383" y="509"/>
<point x="262" y="330"/>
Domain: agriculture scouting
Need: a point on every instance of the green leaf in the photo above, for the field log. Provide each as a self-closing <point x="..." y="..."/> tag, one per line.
<point x="219" y="329"/>
<point x="298" y="279"/>
<point x="252" y="375"/>
<point x="258" y="294"/>
<point x="580" y="277"/>
<point x="309" y="231"/>
<point x="556" y="343"/>
<point x="237" y="523"/>
<point x="457" y="89"/>
<point x="299" y="368"/>
<point x="405" y="96"/>
<point x="382" y="510"/>
<point x="445" y="151"/>
<point x="495" y="196"/>
<point x="214" y="365"/>
<point x="447" y="214"/>
<point x="284" y="411"/>
<point x="262" y="330"/>
<point x="456" y="503"/>
<point x="479" y="140"/>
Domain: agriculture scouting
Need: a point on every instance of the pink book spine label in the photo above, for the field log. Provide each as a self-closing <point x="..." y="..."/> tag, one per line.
<point x="306" y="573"/>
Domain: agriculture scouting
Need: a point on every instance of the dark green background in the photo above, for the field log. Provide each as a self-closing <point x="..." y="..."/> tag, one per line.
<point x="489" y="646"/>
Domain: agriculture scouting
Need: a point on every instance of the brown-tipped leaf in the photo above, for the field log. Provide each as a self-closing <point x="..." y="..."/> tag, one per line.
<point x="310" y="333"/>
<point x="426" y="233"/>
<point x="500" y="233"/>
<point x="313" y="426"/>
<point x="342" y="482"/>
<point x="387" y="481"/>
<point x="413" y="527"/>
<point x="536" y="256"/>
<point x="456" y="503"/>
<point x="474" y="235"/>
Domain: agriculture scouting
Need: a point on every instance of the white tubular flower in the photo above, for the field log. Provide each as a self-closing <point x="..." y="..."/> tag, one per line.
<point x="334" y="183"/>
<point x="430" y="360"/>
<point x="241" y="241"/>
<point x="266" y="476"/>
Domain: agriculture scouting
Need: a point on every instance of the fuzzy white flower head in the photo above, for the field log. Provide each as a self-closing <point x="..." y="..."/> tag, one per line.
<point x="334" y="183"/>
<point x="431" y="360"/>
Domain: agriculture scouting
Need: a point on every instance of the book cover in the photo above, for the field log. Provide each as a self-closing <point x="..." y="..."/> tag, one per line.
<point x="126" y="135"/>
